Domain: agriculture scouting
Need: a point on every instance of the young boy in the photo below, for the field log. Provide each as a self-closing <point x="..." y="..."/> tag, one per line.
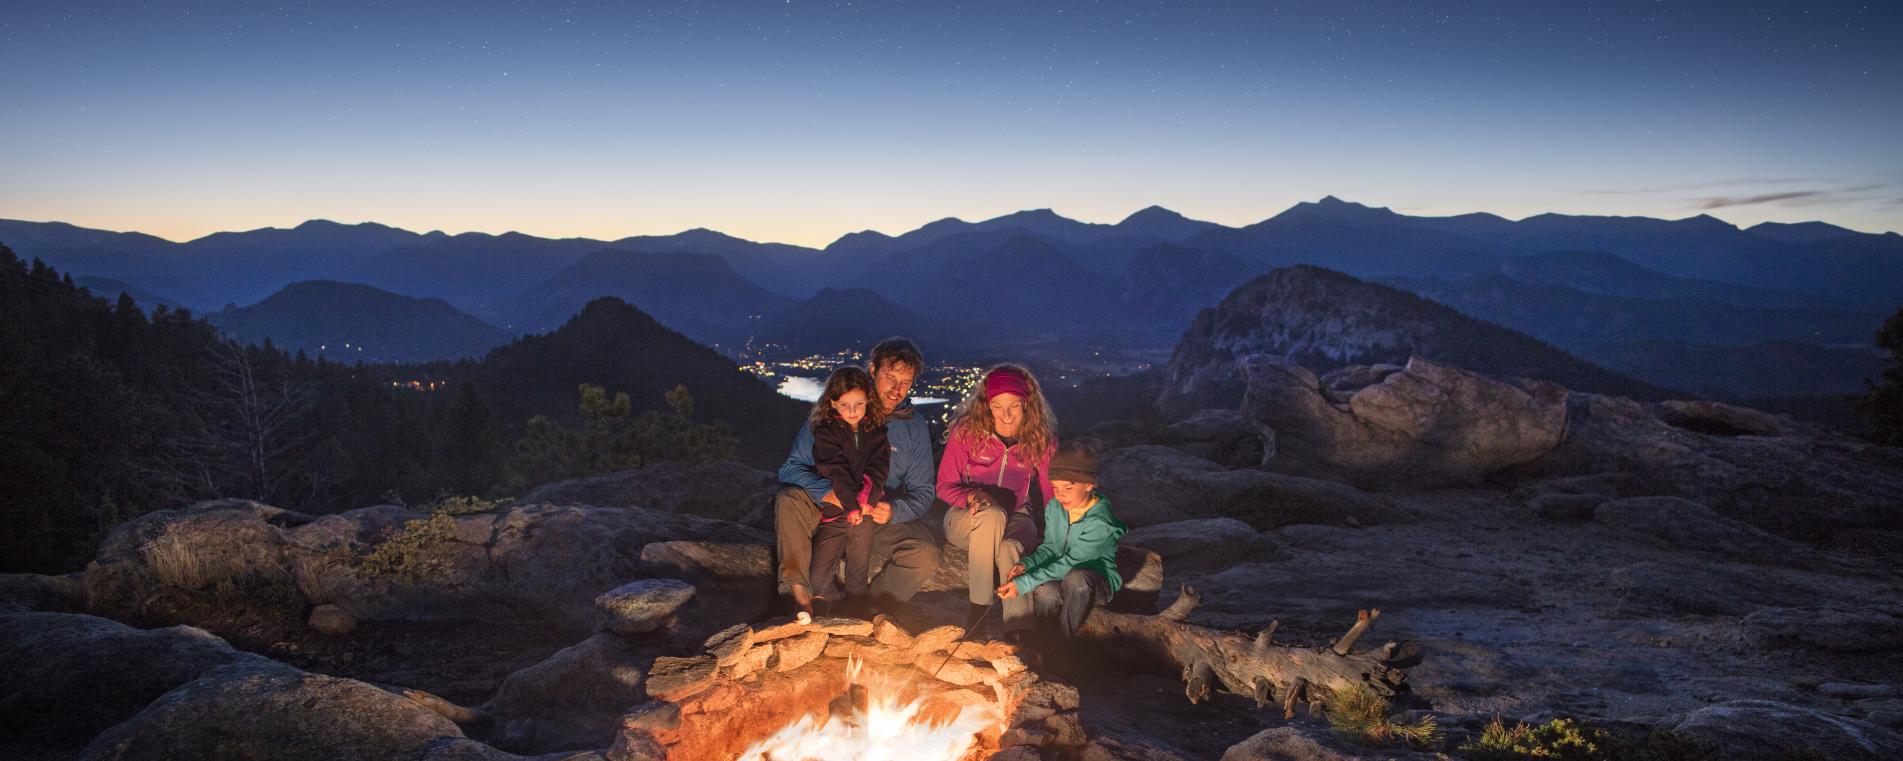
<point x="1075" y="568"/>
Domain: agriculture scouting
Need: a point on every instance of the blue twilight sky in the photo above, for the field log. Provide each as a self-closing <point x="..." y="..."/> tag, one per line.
<point x="799" y="121"/>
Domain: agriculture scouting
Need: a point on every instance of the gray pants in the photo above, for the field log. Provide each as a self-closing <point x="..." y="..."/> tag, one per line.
<point x="908" y="551"/>
<point x="995" y="540"/>
<point x="1065" y="602"/>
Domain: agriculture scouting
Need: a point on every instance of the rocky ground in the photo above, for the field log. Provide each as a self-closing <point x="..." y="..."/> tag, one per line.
<point x="1725" y="576"/>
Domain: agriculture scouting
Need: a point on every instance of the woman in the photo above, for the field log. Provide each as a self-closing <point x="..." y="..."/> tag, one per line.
<point x="998" y="447"/>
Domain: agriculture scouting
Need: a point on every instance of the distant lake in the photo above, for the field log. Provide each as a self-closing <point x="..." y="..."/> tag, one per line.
<point x="807" y="390"/>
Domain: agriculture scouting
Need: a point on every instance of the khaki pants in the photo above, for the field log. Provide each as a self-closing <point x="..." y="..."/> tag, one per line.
<point x="903" y="554"/>
<point x="995" y="540"/>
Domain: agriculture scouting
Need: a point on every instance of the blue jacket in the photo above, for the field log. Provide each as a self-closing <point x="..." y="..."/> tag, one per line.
<point x="909" y="484"/>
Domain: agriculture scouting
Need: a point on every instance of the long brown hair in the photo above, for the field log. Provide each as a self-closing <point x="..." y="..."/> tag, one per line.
<point x="845" y="379"/>
<point x="974" y="424"/>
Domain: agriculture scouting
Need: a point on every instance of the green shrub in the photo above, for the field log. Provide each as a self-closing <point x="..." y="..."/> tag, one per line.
<point x="1360" y="715"/>
<point x="1559" y="739"/>
<point x="410" y="552"/>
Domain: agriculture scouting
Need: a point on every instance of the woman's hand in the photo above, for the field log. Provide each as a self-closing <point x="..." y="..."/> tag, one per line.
<point x="981" y="501"/>
<point x="1007" y="591"/>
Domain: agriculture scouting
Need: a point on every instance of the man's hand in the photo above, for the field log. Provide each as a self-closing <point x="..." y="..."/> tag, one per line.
<point x="880" y="513"/>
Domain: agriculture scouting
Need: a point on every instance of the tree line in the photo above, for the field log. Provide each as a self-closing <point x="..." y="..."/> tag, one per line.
<point x="107" y="412"/>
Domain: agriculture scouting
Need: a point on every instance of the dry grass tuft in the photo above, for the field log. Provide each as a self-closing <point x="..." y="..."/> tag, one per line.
<point x="1360" y="715"/>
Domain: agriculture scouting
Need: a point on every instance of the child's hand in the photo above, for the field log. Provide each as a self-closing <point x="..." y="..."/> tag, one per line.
<point x="854" y="518"/>
<point x="1016" y="571"/>
<point x="1007" y="591"/>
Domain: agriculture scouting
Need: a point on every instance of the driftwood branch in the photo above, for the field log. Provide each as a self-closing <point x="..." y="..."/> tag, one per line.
<point x="1256" y="667"/>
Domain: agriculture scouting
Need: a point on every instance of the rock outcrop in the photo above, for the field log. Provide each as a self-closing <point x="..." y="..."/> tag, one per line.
<point x="1425" y="425"/>
<point x="272" y="712"/>
<point x="1149" y="485"/>
<point x="1325" y="320"/>
<point x="69" y="676"/>
<point x="1785" y="477"/>
<point x="721" y="489"/>
<point x="523" y="562"/>
<point x="1764" y="730"/>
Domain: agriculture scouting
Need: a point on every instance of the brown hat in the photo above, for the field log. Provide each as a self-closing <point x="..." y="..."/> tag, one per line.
<point x="1075" y="463"/>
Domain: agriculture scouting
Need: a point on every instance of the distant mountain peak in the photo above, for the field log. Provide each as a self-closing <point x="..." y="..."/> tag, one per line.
<point x="1801" y="232"/>
<point x="1152" y="213"/>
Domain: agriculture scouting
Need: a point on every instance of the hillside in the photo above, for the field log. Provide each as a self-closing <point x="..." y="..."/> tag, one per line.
<point x="1323" y="319"/>
<point x="350" y="322"/>
<point x="612" y="344"/>
<point x="699" y="295"/>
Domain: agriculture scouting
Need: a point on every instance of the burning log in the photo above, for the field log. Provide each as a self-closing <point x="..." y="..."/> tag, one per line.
<point x="1252" y="666"/>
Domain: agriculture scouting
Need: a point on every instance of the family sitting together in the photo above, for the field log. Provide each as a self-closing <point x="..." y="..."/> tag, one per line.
<point x="860" y="486"/>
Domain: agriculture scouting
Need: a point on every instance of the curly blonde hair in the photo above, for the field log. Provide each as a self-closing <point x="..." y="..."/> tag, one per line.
<point x="973" y="424"/>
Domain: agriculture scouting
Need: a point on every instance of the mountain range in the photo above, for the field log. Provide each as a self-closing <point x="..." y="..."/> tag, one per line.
<point x="1582" y="283"/>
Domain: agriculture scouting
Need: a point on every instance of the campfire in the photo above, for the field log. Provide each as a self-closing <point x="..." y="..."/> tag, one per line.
<point x="874" y="723"/>
<point x="844" y="688"/>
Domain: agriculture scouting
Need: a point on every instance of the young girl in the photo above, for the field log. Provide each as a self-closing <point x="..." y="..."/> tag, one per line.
<point x="850" y="450"/>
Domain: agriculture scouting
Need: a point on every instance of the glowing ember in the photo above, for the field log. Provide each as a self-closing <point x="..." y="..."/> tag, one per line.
<point x="885" y="731"/>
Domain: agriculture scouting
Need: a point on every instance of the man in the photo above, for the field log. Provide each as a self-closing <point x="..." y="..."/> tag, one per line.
<point x="903" y="543"/>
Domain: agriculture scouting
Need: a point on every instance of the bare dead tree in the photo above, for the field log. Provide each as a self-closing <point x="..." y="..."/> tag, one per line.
<point x="245" y="428"/>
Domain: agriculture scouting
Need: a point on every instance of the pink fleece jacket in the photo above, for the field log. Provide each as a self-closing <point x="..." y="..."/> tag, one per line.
<point x="967" y="466"/>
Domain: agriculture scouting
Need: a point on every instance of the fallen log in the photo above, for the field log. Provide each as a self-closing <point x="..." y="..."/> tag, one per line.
<point x="1255" y="667"/>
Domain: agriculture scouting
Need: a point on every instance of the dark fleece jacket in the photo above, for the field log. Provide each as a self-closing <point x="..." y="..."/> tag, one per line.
<point x="846" y="458"/>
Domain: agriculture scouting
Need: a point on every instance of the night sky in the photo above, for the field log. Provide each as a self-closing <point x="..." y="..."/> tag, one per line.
<point x="800" y="121"/>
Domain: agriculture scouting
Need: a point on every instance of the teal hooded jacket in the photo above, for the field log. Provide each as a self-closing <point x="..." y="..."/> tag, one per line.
<point x="1090" y="543"/>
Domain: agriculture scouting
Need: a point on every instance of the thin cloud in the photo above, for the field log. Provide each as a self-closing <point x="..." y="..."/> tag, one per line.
<point x="1725" y="201"/>
<point x="1852" y="194"/>
<point x="1708" y="185"/>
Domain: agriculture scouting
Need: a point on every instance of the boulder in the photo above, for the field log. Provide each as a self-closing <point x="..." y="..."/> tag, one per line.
<point x="639" y="607"/>
<point x="526" y="562"/>
<point x="25" y="592"/>
<point x="1684" y="524"/>
<point x="574" y="697"/>
<point x="69" y="676"/>
<point x="1764" y="730"/>
<point x="1217" y="425"/>
<point x="1294" y="743"/>
<point x="1718" y="418"/>
<point x="708" y="560"/>
<point x="1825" y="629"/>
<point x="1269" y="501"/>
<point x="1803" y="483"/>
<point x="721" y="489"/>
<point x="170" y="564"/>
<point x="1426" y="425"/>
<point x="1151" y="484"/>
<point x="1205" y="543"/>
<point x="1148" y="485"/>
<point x="272" y="712"/>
